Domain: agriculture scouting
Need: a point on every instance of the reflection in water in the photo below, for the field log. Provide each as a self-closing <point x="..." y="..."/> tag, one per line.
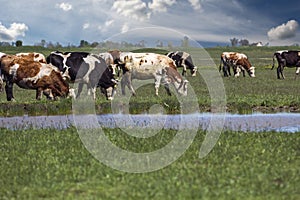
<point x="281" y="122"/>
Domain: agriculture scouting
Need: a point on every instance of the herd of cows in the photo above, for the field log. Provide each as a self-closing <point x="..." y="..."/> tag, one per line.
<point x="52" y="75"/>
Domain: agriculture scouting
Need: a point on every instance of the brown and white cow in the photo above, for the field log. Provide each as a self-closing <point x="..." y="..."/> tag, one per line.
<point x="1" y="77"/>
<point x="144" y="66"/>
<point x="34" y="56"/>
<point x="238" y="61"/>
<point x="28" y="74"/>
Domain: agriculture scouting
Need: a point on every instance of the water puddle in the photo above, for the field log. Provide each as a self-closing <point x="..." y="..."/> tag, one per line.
<point x="257" y="122"/>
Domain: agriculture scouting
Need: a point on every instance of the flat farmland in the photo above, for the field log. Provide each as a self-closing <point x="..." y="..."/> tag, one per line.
<point x="55" y="164"/>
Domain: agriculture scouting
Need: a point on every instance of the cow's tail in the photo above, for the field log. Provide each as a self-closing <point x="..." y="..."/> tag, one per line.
<point x="273" y="61"/>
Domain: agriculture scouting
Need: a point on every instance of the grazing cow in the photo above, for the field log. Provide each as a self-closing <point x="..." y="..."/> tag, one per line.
<point x="238" y="61"/>
<point x="85" y="68"/>
<point x="144" y="66"/>
<point x="38" y="57"/>
<point x="286" y="58"/>
<point x="109" y="60"/>
<point x="183" y="59"/>
<point x="1" y="77"/>
<point x="28" y="74"/>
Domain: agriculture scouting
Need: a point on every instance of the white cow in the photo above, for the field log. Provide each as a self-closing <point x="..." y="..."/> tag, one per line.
<point x="144" y="66"/>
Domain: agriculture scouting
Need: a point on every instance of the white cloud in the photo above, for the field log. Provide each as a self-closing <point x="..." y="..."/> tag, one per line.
<point x="64" y="6"/>
<point x="135" y="9"/>
<point x="284" y="31"/>
<point x="195" y="4"/>
<point x="11" y="33"/>
<point x="86" y="26"/>
<point x="160" y="5"/>
<point x="109" y="23"/>
<point x="125" y="28"/>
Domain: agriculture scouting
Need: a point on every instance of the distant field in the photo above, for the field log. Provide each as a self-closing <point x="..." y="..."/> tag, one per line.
<point x="264" y="92"/>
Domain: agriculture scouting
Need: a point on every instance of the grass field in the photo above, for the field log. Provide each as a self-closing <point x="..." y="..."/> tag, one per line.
<point x="54" y="164"/>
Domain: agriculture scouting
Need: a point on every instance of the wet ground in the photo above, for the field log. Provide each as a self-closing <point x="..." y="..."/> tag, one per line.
<point x="257" y="122"/>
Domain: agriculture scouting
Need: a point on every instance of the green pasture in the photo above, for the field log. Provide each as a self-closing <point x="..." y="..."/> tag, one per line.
<point x="52" y="164"/>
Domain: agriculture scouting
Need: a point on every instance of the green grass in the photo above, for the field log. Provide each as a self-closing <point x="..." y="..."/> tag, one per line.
<point x="54" y="164"/>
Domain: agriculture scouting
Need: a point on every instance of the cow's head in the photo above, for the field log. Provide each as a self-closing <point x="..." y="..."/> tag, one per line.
<point x="251" y="71"/>
<point x="194" y="71"/>
<point x="174" y="78"/>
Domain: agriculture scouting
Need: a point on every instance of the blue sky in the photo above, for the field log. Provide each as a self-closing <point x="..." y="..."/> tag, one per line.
<point x="209" y="21"/>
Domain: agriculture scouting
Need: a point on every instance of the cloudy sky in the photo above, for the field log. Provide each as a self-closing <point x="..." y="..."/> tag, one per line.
<point x="208" y="21"/>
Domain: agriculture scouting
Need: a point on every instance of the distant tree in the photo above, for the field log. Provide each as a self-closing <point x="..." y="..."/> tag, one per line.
<point x="83" y="43"/>
<point x="43" y="43"/>
<point x="19" y="43"/>
<point x="94" y="44"/>
<point x="50" y="45"/>
<point x="244" y="42"/>
<point x="234" y="42"/>
<point x="185" y="42"/>
<point x="170" y="44"/>
<point x="57" y="45"/>
<point x="142" y="43"/>
<point x="159" y="43"/>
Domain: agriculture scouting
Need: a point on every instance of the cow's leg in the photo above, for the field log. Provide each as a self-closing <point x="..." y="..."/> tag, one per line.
<point x="130" y="87"/>
<point x="94" y="89"/>
<point x="123" y="83"/>
<point x="38" y="95"/>
<point x="166" y="86"/>
<point x="158" y="79"/>
<point x="243" y="71"/>
<point x="297" y="69"/>
<point x="80" y="86"/>
<point x="126" y="81"/>
<point x="9" y="91"/>
<point x="184" y="68"/>
<point x="280" y="72"/>
<point x="225" y="71"/>
<point x="237" y="71"/>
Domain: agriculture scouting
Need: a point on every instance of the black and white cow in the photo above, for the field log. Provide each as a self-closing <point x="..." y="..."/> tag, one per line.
<point x="286" y="58"/>
<point x="183" y="59"/>
<point x="85" y="68"/>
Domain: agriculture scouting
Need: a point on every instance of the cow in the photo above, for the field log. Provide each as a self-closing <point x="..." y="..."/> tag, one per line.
<point x="110" y="62"/>
<point x="28" y="74"/>
<point x="34" y="56"/>
<point x="286" y="58"/>
<point x="1" y="77"/>
<point x="144" y="66"/>
<point x="85" y="68"/>
<point x="238" y="61"/>
<point x="183" y="59"/>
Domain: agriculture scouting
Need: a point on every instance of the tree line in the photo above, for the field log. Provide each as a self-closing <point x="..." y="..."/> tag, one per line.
<point x="104" y="44"/>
